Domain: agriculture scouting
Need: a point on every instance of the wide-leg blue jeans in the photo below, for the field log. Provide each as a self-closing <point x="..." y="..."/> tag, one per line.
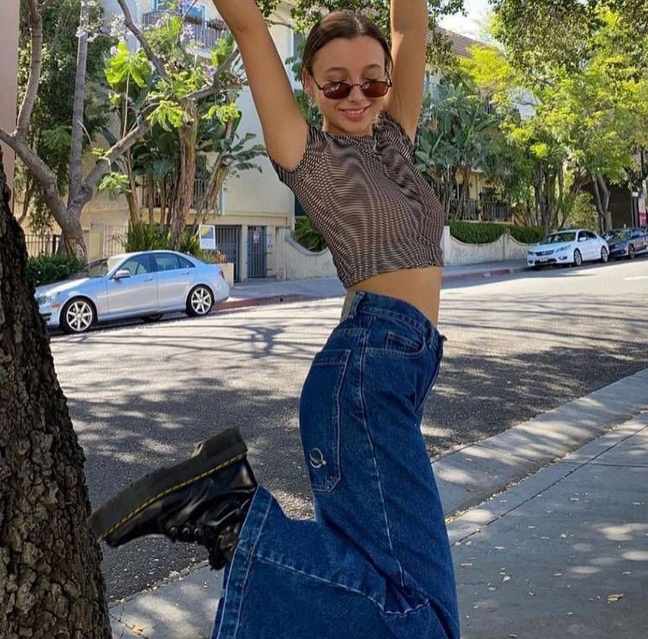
<point x="375" y="562"/>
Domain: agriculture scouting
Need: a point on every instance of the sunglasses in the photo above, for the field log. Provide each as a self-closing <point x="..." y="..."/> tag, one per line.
<point x="341" y="90"/>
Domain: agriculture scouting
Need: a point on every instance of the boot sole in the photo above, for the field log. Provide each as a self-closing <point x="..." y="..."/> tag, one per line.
<point x="213" y="454"/>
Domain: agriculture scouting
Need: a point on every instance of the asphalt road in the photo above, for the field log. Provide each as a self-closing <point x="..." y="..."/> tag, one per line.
<point x="141" y="395"/>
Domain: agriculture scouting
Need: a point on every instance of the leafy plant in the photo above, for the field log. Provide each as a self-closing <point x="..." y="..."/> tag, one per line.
<point x="308" y="236"/>
<point x="146" y="237"/>
<point x="46" y="269"/>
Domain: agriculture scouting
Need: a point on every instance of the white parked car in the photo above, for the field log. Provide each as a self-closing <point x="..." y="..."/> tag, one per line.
<point x="145" y="284"/>
<point x="574" y="246"/>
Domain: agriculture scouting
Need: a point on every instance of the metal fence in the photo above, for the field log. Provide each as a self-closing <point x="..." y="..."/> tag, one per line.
<point x="42" y="244"/>
<point x="114" y="240"/>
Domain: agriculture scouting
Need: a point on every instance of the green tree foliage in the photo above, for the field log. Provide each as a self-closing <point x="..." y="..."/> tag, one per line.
<point x="583" y="97"/>
<point x="306" y="13"/>
<point x="193" y="121"/>
<point x="457" y="136"/>
<point x="51" y="121"/>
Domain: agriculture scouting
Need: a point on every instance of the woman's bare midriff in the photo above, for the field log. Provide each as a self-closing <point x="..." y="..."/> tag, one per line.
<point x="421" y="287"/>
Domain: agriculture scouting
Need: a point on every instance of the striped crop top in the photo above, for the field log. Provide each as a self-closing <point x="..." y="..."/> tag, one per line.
<point x="371" y="205"/>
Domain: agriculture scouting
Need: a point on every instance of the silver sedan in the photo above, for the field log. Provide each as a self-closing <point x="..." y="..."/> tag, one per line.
<point x="145" y="284"/>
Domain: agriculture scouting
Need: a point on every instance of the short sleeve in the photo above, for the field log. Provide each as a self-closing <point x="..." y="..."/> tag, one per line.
<point x="310" y="161"/>
<point x="395" y="131"/>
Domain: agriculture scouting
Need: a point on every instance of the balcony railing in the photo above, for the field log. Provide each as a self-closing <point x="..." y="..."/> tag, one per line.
<point x="206" y="33"/>
<point x="496" y="212"/>
<point x="480" y="211"/>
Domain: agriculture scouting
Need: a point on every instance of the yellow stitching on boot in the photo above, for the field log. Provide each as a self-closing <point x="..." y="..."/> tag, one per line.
<point x="146" y="504"/>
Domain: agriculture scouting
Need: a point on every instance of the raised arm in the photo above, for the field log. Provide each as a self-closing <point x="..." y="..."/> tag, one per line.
<point x="409" y="33"/>
<point x="284" y="128"/>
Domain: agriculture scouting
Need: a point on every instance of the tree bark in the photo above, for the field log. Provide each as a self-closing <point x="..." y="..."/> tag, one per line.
<point x="50" y="578"/>
<point x="78" y="104"/>
<point x="602" y="197"/>
<point x="188" y="135"/>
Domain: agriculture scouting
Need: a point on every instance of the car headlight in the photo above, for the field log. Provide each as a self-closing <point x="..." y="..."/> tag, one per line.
<point x="46" y="299"/>
<point x="562" y="249"/>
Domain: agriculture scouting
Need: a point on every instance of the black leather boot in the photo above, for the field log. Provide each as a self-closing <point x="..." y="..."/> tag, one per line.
<point x="203" y="500"/>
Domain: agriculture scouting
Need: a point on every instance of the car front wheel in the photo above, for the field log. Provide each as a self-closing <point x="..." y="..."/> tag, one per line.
<point x="78" y="315"/>
<point x="200" y="301"/>
<point x="578" y="258"/>
<point x="604" y="255"/>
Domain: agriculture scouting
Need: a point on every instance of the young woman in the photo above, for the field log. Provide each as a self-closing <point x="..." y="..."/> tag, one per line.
<point x="376" y="560"/>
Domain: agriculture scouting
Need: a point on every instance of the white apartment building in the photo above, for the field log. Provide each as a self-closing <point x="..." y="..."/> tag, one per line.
<point x="257" y="210"/>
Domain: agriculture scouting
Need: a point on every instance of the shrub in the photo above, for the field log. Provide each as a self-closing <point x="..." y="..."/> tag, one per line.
<point x="146" y="237"/>
<point x="527" y="234"/>
<point x="212" y="257"/>
<point x="486" y="232"/>
<point x="307" y="236"/>
<point x="477" y="233"/>
<point x="46" y="269"/>
<point x="152" y="237"/>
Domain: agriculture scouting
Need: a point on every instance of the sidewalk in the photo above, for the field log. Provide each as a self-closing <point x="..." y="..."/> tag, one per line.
<point x="561" y="550"/>
<point x="271" y="291"/>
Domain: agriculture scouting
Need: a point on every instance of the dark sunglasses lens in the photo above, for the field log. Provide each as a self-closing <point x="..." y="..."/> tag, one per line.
<point x="337" y="91"/>
<point x="375" y="88"/>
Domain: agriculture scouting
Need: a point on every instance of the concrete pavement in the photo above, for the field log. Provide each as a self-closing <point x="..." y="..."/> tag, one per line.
<point x="270" y="291"/>
<point x="560" y="551"/>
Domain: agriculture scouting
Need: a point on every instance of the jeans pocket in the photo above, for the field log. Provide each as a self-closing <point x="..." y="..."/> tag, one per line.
<point x="403" y="345"/>
<point x="319" y="418"/>
<point x="437" y="358"/>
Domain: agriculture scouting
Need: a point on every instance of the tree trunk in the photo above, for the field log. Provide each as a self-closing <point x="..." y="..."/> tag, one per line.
<point x="72" y="240"/>
<point x="50" y="578"/>
<point x="602" y="197"/>
<point x="132" y="198"/>
<point x="187" y="174"/>
<point x="151" y="189"/>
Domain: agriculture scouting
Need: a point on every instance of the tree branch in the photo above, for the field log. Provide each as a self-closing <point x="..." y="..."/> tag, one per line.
<point x="87" y="190"/>
<point x="76" y="143"/>
<point x="208" y="91"/>
<point x="31" y="93"/>
<point x="42" y="174"/>
<point x="134" y="29"/>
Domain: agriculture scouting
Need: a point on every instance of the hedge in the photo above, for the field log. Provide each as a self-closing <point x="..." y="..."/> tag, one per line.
<point x="485" y="232"/>
<point x="46" y="269"/>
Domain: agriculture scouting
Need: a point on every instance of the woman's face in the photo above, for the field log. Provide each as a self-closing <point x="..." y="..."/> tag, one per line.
<point x="353" y="61"/>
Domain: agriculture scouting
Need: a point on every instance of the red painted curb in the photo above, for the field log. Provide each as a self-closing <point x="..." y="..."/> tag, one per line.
<point x="259" y="301"/>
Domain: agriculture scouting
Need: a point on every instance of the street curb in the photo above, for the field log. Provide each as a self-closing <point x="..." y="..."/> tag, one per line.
<point x="184" y="607"/>
<point x="485" y="274"/>
<point x="259" y="301"/>
<point x="288" y="298"/>
<point x="471" y="474"/>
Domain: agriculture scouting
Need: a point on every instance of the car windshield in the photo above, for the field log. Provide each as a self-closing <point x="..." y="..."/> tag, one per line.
<point x="560" y="237"/>
<point x="98" y="268"/>
<point x="619" y="234"/>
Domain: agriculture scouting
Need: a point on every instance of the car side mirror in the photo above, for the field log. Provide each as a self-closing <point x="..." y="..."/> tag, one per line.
<point x="121" y="274"/>
<point x="582" y="239"/>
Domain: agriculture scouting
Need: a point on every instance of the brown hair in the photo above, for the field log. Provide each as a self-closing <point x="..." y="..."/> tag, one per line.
<point x="342" y="24"/>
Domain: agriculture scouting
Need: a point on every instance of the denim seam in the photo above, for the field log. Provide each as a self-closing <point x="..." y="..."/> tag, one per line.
<point x="250" y="557"/>
<point x="365" y="423"/>
<point x="336" y="584"/>
<point x="398" y="317"/>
